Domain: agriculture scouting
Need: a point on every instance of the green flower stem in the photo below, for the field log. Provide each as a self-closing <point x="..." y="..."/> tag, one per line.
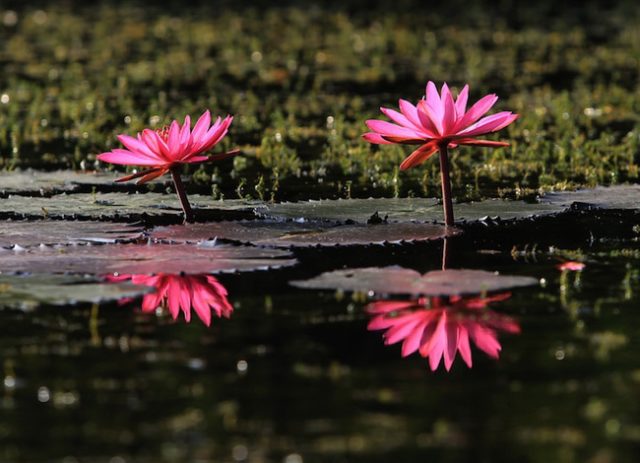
<point x="182" y="196"/>
<point x="445" y="254"/>
<point x="446" y="185"/>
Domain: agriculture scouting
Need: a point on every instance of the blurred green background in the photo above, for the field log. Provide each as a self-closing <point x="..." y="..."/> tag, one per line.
<point x="302" y="78"/>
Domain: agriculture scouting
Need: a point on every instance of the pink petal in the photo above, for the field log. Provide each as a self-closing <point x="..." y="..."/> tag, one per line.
<point x="419" y="156"/>
<point x="401" y="329"/>
<point x="201" y="126"/>
<point x="461" y="101"/>
<point x="476" y="111"/>
<point x="402" y="120"/>
<point x="137" y="146"/>
<point x="152" y="175"/>
<point x="449" y="114"/>
<point x="413" y="340"/>
<point x="436" y="106"/>
<point x="463" y="346"/>
<point x="215" y="134"/>
<point x="174" y="290"/>
<point x="486" y="340"/>
<point x="437" y="341"/>
<point x="411" y="113"/>
<point x="379" y="323"/>
<point x="429" y="119"/>
<point x="385" y="307"/>
<point x="489" y="124"/>
<point x="376" y="139"/>
<point x="128" y="158"/>
<point x="173" y="141"/>
<point x="486" y="143"/>
<point x="405" y="141"/>
<point x="452" y="344"/>
<point x="196" y="159"/>
<point x="387" y="128"/>
<point x="155" y="143"/>
<point x="201" y="307"/>
<point x="185" y="132"/>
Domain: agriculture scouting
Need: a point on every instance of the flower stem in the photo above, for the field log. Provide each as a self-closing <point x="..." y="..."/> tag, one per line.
<point x="446" y="185"/>
<point x="445" y="254"/>
<point x="182" y="195"/>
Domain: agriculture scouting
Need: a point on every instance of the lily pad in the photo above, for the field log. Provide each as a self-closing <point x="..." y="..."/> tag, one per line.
<point x="293" y="234"/>
<point x="33" y="182"/>
<point x="398" y="280"/>
<point x="118" y="205"/>
<point x="50" y="232"/>
<point x="142" y="258"/>
<point x="613" y="197"/>
<point x="402" y="210"/>
<point x="22" y="291"/>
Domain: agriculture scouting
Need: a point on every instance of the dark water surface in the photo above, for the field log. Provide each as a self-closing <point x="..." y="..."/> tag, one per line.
<point x="296" y="376"/>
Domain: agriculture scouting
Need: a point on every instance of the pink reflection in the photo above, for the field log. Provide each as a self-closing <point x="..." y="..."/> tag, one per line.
<point x="442" y="327"/>
<point x="203" y="293"/>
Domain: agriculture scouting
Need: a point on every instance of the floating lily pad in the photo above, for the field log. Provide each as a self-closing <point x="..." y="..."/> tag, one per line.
<point x="402" y="210"/>
<point x="33" y="182"/>
<point x="50" y="232"/>
<point x="293" y="234"/>
<point x="398" y="280"/>
<point x="118" y="205"/>
<point x="614" y="197"/>
<point x="142" y="258"/>
<point x="22" y="291"/>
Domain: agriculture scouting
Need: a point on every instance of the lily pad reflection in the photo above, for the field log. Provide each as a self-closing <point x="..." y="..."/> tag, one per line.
<point x="398" y="280"/>
<point x="28" y="291"/>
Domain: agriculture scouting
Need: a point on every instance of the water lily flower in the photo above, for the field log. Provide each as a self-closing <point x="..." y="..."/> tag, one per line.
<point x="437" y="123"/>
<point x="202" y="293"/>
<point x="571" y="266"/>
<point x="163" y="151"/>
<point x="439" y="328"/>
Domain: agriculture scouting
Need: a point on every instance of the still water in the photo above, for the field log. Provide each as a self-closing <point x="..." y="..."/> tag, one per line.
<point x="292" y="375"/>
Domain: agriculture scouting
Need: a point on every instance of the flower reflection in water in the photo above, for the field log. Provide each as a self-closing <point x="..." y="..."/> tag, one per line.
<point x="441" y="327"/>
<point x="204" y="293"/>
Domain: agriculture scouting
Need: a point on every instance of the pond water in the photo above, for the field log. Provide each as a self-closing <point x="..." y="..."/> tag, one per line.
<point x="299" y="375"/>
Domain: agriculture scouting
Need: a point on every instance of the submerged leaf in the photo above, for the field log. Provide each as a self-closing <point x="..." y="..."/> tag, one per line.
<point x="49" y="232"/>
<point x="398" y="280"/>
<point x="22" y="291"/>
<point x="402" y="210"/>
<point x="142" y="258"/>
<point x="293" y="234"/>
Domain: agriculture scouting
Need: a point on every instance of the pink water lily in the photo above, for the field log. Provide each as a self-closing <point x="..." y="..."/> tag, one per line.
<point x="438" y="328"/>
<point x="202" y="293"/>
<point x="437" y="123"/>
<point x="163" y="151"/>
<point x="571" y="266"/>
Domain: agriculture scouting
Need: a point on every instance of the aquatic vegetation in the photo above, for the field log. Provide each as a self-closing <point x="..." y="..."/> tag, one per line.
<point x="62" y="100"/>
<point x="439" y="328"/>
<point x="203" y="294"/>
<point x="207" y="257"/>
<point x="438" y="123"/>
<point x="165" y="150"/>
<point x="281" y="234"/>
